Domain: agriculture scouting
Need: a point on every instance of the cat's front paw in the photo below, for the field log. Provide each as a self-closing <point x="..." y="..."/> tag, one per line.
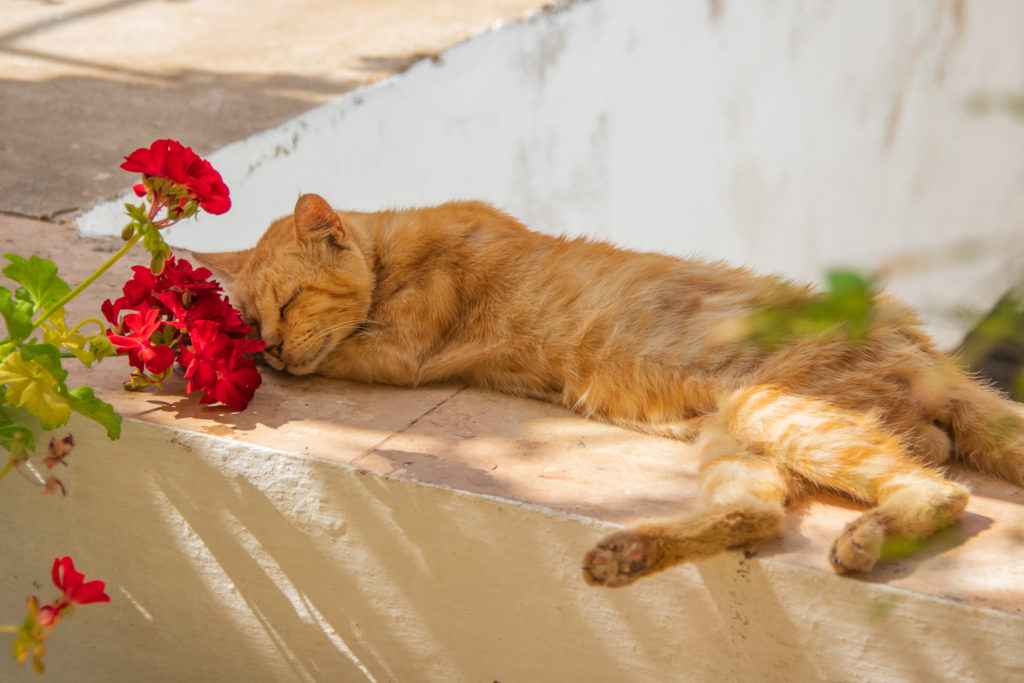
<point x="618" y="560"/>
<point x="858" y="547"/>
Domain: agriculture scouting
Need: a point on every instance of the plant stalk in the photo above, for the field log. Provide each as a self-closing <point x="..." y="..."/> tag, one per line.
<point x="87" y="281"/>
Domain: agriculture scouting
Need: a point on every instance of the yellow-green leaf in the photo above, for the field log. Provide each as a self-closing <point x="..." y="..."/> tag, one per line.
<point x="31" y="385"/>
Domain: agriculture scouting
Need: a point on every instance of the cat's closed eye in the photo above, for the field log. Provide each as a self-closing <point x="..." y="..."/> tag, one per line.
<point x="287" y="303"/>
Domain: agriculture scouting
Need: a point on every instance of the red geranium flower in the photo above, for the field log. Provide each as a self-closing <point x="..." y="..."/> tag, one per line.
<point x="217" y="364"/>
<point x="172" y="160"/>
<point x="138" y="293"/>
<point x="217" y="310"/>
<point x="142" y="354"/>
<point x="73" y="585"/>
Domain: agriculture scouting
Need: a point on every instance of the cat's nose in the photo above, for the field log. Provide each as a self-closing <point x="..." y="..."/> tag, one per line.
<point x="274" y="351"/>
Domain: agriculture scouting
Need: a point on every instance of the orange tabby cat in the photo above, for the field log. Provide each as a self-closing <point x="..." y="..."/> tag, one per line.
<point x="463" y="292"/>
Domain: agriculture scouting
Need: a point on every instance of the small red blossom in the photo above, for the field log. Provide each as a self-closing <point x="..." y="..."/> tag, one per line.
<point x="47" y="615"/>
<point x="72" y="582"/>
<point x="172" y="160"/>
<point x="40" y="621"/>
<point x="217" y="364"/>
<point x="142" y="353"/>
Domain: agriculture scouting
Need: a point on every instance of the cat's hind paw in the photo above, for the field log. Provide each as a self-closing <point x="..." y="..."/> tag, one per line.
<point x="858" y="547"/>
<point x="618" y="560"/>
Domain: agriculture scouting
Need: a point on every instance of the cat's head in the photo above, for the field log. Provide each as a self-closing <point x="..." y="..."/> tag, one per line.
<point x="305" y="286"/>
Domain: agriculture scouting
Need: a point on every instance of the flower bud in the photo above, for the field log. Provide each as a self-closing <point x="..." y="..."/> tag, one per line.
<point x="136" y="382"/>
<point x="127" y="231"/>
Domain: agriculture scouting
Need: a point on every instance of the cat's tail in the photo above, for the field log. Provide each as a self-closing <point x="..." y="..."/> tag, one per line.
<point x="987" y="429"/>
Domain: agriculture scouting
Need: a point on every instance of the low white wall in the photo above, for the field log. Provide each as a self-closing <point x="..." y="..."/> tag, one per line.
<point x="789" y="136"/>
<point x="227" y="562"/>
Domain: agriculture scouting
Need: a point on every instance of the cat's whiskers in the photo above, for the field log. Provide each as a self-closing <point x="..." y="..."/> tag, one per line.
<point x="330" y="331"/>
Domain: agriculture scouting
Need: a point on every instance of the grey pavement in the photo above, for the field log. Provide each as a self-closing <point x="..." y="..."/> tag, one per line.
<point x="84" y="82"/>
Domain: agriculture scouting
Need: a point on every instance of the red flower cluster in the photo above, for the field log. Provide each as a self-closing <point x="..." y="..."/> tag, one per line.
<point x="170" y="159"/>
<point x="181" y="315"/>
<point x="76" y="591"/>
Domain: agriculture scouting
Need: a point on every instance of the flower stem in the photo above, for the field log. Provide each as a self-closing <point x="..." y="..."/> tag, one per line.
<point x="7" y="468"/>
<point x="87" y="281"/>
<point x="82" y="324"/>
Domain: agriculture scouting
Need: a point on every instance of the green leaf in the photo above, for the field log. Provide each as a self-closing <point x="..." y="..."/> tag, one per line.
<point x="84" y="401"/>
<point x="40" y="284"/>
<point x="17" y="315"/>
<point x="14" y="435"/>
<point x="48" y="356"/>
<point x="846" y="307"/>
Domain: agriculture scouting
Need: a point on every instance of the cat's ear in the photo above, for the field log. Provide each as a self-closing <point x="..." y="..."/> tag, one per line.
<point x="316" y="220"/>
<point x="226" y="265"/>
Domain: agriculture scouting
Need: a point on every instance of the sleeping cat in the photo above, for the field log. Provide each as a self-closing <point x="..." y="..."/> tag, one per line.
<point x="463" y="292"/>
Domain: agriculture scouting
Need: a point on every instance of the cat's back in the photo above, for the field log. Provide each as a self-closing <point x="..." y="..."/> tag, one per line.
<point x="483" y="255"/>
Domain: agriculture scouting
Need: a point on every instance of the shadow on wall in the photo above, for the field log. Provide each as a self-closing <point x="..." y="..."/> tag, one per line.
<point x="318" y="574"/>
<point x="373" y="602"/>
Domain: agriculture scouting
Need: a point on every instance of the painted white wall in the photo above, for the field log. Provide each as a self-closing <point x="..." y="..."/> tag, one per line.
<point x="789" y="136"/>
<point x="229" y="562"/>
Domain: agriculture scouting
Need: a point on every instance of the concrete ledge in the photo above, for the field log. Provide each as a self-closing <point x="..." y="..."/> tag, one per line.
<point x="337" y="531"/>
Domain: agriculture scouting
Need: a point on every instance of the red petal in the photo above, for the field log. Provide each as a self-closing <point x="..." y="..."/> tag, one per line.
<point x="91" y="592"/>
<point x="70" y="579"/>
<point x="55" y="572"/>
<point x="161" y="359"/>
<point x="216" y="204"/>
<point x="141" y="161"/>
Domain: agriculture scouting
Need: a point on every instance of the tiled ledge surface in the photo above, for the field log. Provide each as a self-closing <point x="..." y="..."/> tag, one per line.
<point x="479" y="443"/>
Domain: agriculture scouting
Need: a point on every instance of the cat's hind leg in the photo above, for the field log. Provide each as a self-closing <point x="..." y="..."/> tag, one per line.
<point x="987" y="429"/>
<point x="913" y="502"/>
<point x="744" y="492"/>
<point x="852" y="452"/>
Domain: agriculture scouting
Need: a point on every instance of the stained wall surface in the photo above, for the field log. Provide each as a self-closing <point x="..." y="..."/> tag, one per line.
<point x="783" y="135"/>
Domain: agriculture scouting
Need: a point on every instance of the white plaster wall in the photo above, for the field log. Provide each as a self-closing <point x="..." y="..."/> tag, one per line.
<point x="786" y="135"/>
<point x="226" y="562"/>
